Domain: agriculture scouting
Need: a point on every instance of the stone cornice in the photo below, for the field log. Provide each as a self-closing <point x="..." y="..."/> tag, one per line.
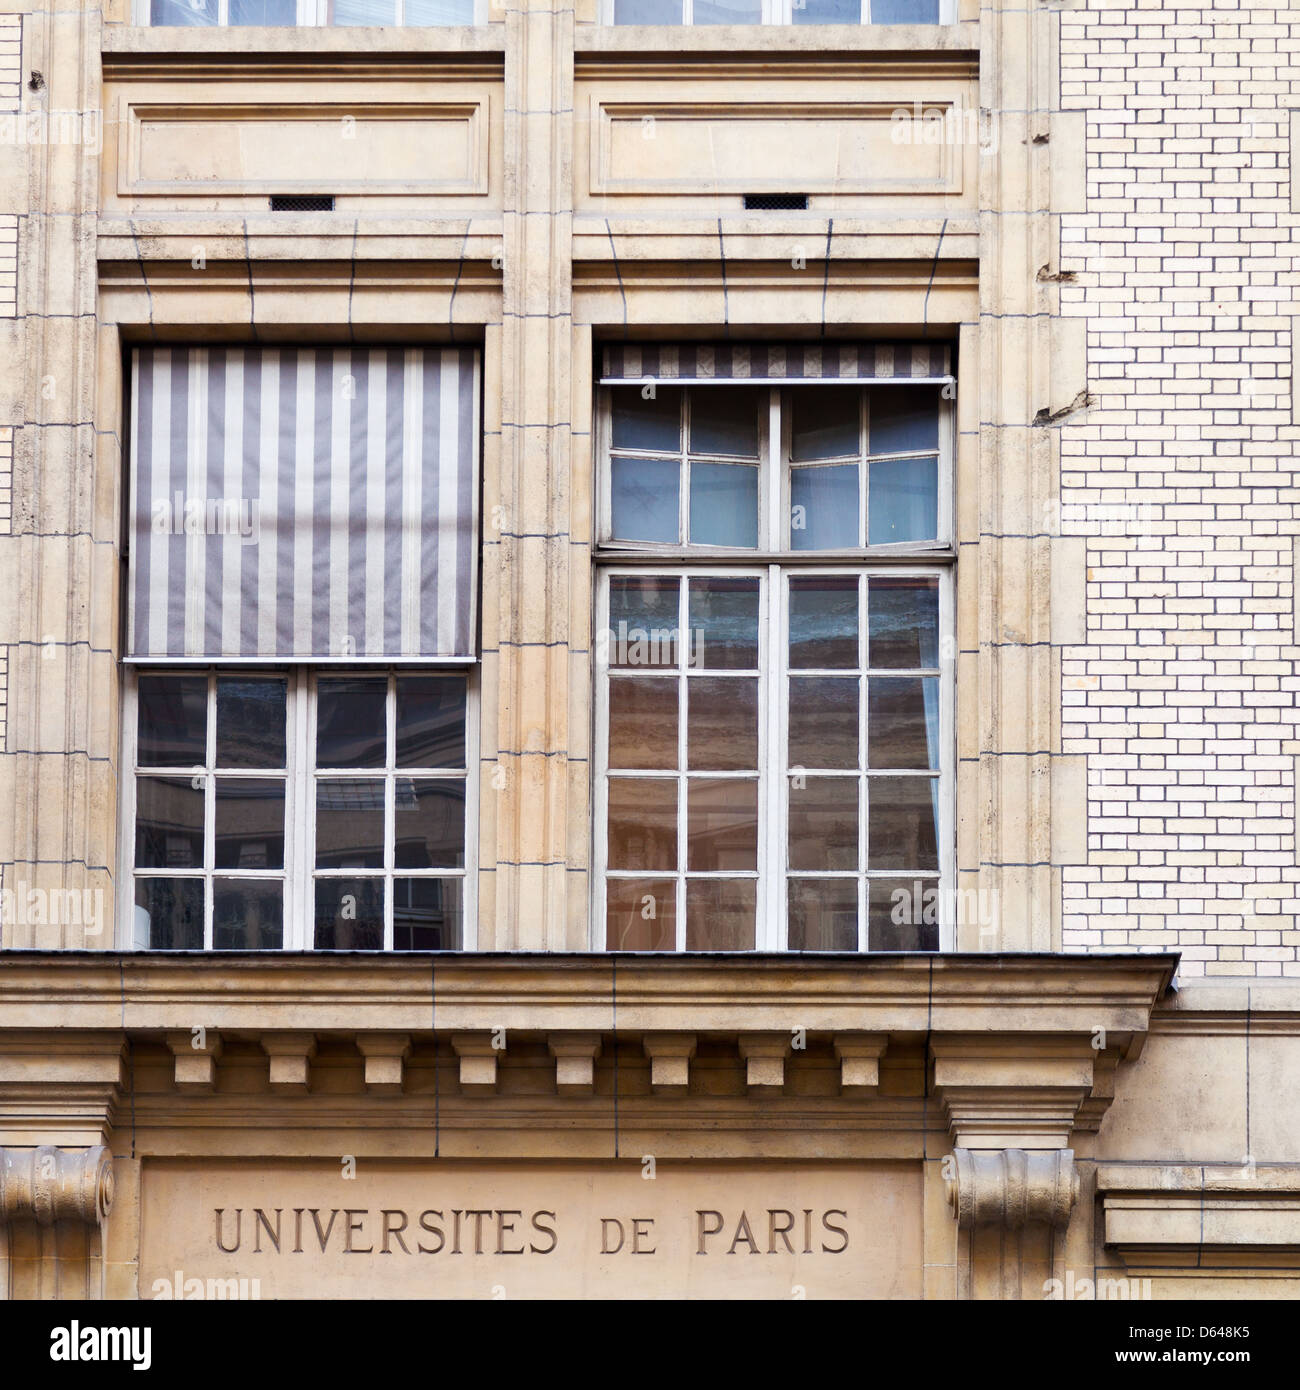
<point x="909" y="995"/>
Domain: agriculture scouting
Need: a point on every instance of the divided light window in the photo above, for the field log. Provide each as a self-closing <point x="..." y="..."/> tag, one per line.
<point x="308" y="13"/>
<point x="774" y="719"/>
<point x="278" y="809"/>
<point x="779" y="11"/>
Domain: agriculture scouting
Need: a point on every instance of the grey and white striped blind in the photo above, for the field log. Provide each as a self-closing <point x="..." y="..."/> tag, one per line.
<point x="920" y="362"/>
<point x="304" y="504"/>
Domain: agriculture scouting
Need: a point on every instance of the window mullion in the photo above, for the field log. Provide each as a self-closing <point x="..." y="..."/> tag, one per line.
<point x="772" y="873"/>
<point x="864" y="784"/>
<point x="210" y="813"/>
<point x="390" y="806"/>
<point x="683" y="782"/>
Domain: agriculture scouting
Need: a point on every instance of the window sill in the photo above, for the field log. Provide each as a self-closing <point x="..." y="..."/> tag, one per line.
<point x="127" y="41"/>
<point x="736" y="40"/>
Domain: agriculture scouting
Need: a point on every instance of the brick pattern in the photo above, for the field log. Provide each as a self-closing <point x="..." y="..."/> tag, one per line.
<point x="1183" y="479"/>
<point x="11" y="62"/>
<point x="6" y="479"/>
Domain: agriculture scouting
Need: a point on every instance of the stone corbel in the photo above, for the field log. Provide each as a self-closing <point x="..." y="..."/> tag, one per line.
<point x="575" y="1062"/>
<point x="196" y="1054"/>
<point x="290" y="1055"/>
<point x="49" y="1184"/>
<point x="859" y="1056"/>
<point x="478" y="1063"/>
<point x="764" y="1055"/>
<point x="670" y="1062"/>
<point x="385" y="1055"/>
<point x="1012" y="1188"/>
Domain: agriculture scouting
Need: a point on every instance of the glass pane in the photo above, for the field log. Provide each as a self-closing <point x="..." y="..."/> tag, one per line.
<point x="168" y="823"/>
<point x="428" y="12"/>
<point x="263" y="11"/>
<point x="647" y="12"/>
<point x="903" y="915"/>
<point x="247" y="914"/>
<point x="824" y="508"/>
<point x="430" y="721"/>
<point x="643" y="622"/>
<point x="724" y="419"/>
<point x="172" y="721"/>
<point x="428" y="823"/>
<point x="903" y="419"/>
<point x="349" y="914"/>
<point x="642" y="722"/>
<point x="903" y="623"/>
<point x="720" y="914"/>
<point x="903" y="721"/>
<point x="823" y="823"/>
<point x="640" y="914"/>
<point x="723" y="625"/>
<point x="724" y="504"/>
<point x="722" y="724"/>
<point x="905" y="12"/>
<point x="722" y="825"/>
<point x="728" y="12"/>
<point x="903" y="501"/>
<point x="350" y="823"/>
<point x="169" y="914"/>
<point x="823" y="721"/>
<point x="249" y="823"/>
<point x="644" y="501"/>
<point x="903" y="823"/>
<point x="643" y="824"/>
<point x="250" y="722"/>
<point x="826" y="420"/>
<point x="827" y="11"/>
<point x="635" y="421"/>
<point x="823" y="914"/>
<point x="363" y="12"/>
<point x="350" y="721"/>
<point x="187" y="12"/>
<point x="428" y="914"/>
<point x="824" y="622"/>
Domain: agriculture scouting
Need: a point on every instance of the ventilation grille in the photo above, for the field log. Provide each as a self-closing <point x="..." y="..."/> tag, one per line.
<point x="302" y="202"/>
<point x="777" y="202"/>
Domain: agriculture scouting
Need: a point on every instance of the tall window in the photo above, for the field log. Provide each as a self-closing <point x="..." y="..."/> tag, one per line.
<point x="780" y="11"/>
<point x="774" y="713"/>
<point x="299" y="712"/>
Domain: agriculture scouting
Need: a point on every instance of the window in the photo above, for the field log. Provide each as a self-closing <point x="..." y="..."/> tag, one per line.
<point x="780" y="11"/>
<point x="298" y="809"/>
<point x="300" y="628"/>
<point x="309" y="13"/>
<point x="774" y="726"/>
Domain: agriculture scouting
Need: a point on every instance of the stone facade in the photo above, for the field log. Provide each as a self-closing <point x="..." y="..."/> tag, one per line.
<point x="1099" y="236"/>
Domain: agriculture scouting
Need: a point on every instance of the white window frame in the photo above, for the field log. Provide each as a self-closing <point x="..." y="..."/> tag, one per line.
<point x="310" y="14"/>
<point x="774" y="477"/>
<point x="776" y="12"/>
<point x="300" y="776"/>
<point x="773" y="870"/>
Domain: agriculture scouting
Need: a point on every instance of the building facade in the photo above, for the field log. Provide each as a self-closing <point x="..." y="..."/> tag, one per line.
<point x="644" y="633"/>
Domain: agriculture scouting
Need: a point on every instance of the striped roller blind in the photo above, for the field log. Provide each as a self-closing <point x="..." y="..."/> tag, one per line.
<point x="303" y="504"/>
<point x="777" y="362"/>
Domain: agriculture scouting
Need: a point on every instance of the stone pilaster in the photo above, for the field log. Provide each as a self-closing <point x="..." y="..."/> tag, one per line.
<point x="531" y="633"/>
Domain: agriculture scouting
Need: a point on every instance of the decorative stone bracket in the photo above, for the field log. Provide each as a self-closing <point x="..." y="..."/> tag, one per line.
<point x="1012" y="1188"/>
<point x="49" y="1184"/>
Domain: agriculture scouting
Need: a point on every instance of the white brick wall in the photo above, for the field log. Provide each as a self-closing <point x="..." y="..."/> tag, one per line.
<point x="1182" y="476"/>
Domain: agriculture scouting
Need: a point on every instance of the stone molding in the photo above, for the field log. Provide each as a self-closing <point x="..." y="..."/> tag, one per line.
<point x="1012" y="1188"/>
<point x="49" y="1184"/>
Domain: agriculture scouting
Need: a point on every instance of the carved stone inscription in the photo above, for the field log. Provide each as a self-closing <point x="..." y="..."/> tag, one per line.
<point x="531" y="1230"/>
